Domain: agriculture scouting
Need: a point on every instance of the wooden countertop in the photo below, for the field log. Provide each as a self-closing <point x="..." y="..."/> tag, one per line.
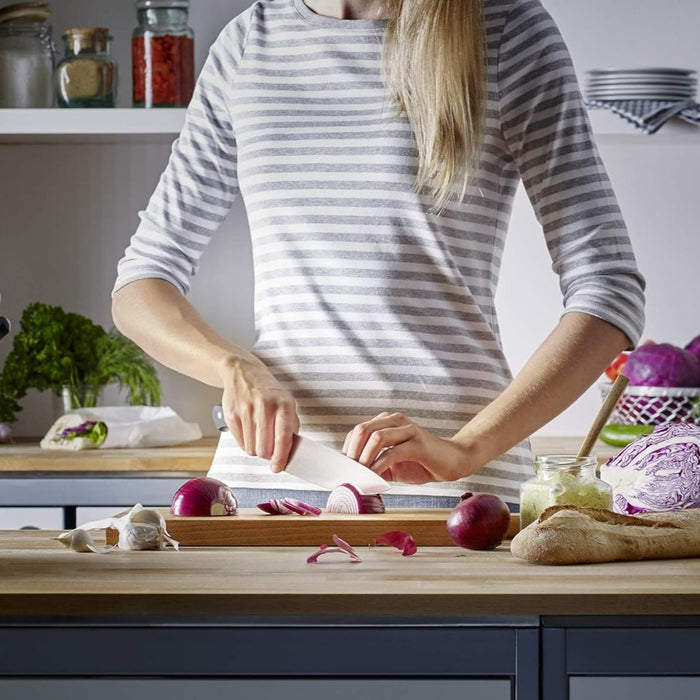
<point x="192" y="457"/>
<point x="40" y="577"/>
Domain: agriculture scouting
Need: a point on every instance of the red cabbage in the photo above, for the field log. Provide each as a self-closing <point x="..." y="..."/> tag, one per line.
<point x="657" y="472"/>
<point x="662" y="364"/>
<point x="693" y="347"/>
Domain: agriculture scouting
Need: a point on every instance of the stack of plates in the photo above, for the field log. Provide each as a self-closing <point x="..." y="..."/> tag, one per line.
<point x="667" y="84"/>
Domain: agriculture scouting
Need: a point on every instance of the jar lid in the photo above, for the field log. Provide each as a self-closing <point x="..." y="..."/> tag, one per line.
<point x="25" y="12"/>
<point x="93" y="32"/>
<point x="162" y="4"/>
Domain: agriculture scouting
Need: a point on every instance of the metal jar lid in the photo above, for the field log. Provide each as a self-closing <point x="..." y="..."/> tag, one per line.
<point x="25" y="12"/>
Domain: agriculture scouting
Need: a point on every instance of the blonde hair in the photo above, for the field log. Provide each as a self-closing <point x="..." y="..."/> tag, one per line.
<point x="435" y="70"/>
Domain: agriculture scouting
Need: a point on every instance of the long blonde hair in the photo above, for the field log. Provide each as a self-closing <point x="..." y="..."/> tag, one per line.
<point x="435" y="69"/>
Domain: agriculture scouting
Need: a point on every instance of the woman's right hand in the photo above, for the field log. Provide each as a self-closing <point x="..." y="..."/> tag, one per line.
<point x="259" y="412"/>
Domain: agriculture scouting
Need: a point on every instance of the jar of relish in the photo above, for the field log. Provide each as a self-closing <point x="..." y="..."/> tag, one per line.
<point x="163" y="54"/>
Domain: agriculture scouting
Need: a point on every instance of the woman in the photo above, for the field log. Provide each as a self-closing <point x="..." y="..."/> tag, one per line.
<point x="377" y="147"/>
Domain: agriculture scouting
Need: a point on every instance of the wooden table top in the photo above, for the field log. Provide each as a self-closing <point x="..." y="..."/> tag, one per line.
<point x="194" y="457"/>
<point x="40" y="577"/>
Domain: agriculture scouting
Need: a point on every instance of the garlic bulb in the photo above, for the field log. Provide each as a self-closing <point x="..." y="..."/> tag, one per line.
<point x="140" y="528"/>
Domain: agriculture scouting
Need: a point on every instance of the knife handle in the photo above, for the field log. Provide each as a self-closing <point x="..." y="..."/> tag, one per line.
<point x="217" y="413"/>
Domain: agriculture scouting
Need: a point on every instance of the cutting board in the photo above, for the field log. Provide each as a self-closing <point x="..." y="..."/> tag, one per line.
<point x="251" y="527"/>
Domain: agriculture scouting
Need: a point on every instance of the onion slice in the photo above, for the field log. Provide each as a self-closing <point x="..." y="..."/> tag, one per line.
<point x="399" y="539"/>
<point x="204" y="496"/>
<point x="347" y="499"/>
<point x="288" y="506"/>
<point x="342" y="548"/>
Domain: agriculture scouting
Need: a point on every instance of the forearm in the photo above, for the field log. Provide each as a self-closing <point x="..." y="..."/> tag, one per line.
<point x="158" y="318"/>
<point x="566" y="364"/>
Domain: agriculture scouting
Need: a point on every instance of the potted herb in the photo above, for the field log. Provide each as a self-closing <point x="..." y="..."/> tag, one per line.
<point x="68" y="353"/>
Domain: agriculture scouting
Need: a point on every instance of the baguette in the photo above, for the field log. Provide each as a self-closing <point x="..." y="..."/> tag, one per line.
<point x="573" y="535"/>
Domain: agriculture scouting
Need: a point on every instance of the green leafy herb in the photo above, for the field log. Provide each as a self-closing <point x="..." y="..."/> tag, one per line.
<point x="54" y="348"/>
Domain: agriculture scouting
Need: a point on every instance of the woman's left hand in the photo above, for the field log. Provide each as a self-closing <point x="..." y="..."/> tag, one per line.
<point x="409" y="454"/>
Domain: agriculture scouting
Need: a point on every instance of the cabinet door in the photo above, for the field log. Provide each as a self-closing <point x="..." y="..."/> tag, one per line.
<point x="260" y="689"/>
<point x="651" y="688"/>
<point x="42" y="518"/>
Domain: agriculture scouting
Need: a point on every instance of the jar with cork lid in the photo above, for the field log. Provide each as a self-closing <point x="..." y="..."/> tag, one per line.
<point x="87" y="74"/>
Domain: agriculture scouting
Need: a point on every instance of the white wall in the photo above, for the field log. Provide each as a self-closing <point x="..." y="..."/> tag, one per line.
<point x="67" y="210"/>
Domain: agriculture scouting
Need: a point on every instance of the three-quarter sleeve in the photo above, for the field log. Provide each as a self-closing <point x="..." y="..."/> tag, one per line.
<point x="200" y="182"/>
<point x="549" y="137"/>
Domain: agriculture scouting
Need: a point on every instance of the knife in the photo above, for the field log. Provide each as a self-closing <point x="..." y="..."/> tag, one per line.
<point x="311" y="461"/>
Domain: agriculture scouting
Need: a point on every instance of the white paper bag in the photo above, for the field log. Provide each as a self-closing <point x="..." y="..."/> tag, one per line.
<point x="127" y="426"/>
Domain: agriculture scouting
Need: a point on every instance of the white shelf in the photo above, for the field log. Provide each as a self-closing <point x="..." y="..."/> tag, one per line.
<point x="105" y="125"/>
<point x="60" y="125"/>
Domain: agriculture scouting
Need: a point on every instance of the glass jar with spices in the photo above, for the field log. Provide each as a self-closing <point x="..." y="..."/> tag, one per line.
<point x="87" y="75"/>
<point x="163" y="54"/>
<point x="27" y="56"/>
<point x="562" y="480"/>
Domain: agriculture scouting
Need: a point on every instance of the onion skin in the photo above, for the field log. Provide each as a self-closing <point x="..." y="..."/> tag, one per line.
<point x="204" y="497"/>
<point x="479" y="521"/>
<point x="347" y="499"/>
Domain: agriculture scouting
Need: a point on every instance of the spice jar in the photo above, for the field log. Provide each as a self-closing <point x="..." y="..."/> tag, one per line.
<point x="87" y="75"/>
<point x="163" y="54"/>
<point x="27" y="56"/>
<point x="562" y="480"/>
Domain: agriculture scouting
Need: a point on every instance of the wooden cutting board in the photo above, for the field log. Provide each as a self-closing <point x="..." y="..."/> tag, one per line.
<point x="252" y="527"/>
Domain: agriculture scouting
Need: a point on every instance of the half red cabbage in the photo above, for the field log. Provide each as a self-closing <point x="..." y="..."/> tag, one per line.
<point x="662" y="364"/>
<point x="347" y="499"/>
<point x="657" y="472"/>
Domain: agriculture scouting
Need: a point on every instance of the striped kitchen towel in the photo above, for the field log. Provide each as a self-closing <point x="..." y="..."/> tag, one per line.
<point x="650" y="115"/>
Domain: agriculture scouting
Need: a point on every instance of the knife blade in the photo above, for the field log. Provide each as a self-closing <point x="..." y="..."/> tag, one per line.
<point x="311" y="461"/>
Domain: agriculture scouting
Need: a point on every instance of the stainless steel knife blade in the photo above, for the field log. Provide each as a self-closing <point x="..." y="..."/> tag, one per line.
<point x="311" y="461"/>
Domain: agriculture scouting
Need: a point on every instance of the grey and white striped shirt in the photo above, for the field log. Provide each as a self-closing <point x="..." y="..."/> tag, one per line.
<point x="364" y="301"/>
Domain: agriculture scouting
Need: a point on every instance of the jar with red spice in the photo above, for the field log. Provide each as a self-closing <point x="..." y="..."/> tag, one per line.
<point x="163" y="54"/>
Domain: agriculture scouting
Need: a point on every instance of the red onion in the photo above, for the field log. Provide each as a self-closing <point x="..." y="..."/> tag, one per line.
<point x="347" y="499"/>
<point x="5" y="433"/>
<point x="204" y="496"/>
<point x="288" y="506"/>
<point x="399" y="539"/>
<point x="478" y="521"/>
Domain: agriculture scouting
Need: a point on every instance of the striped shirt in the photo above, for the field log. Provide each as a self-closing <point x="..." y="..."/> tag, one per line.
<point x="364" y="300"/>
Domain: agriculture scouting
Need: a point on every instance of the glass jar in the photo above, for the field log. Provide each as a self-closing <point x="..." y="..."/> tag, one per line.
<point x="27" y="56"/>
<point x="87" y="75"/>
<point x="163" y="54"/>
<point x="562" y="480"/>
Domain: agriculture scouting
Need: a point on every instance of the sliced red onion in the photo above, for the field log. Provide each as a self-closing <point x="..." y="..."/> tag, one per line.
<point x="347" y="499"/>
<point x="204" y="496"/>
<point x="288" y="506"/>
<point x="342" y="548"/>
<point x="399" y="539"/>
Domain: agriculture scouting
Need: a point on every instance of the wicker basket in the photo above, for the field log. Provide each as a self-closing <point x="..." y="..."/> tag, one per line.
<point x="655" y="405"/>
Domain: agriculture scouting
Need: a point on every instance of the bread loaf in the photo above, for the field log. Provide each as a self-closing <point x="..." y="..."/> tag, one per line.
<point x="573" y="535"/>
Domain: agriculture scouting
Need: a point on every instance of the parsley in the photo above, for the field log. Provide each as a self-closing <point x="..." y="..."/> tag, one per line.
<point x="54" y="348"/>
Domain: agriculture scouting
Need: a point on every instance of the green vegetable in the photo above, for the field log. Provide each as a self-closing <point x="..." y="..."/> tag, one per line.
<point x="54" y="348"/>
<point x="621" y="435"/>
<point x="95" y="431"/>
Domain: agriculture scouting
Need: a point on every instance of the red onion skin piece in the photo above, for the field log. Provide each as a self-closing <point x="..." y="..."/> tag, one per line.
<point x="479" y="521"/>
<point x="203" y="497"/>
<point x="399" y="539"/>
<point x="357" y="503"/>
<point x="342" y="546"/>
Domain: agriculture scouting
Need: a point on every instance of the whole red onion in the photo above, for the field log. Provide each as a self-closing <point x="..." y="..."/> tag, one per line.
<point x="478" y="521"/>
